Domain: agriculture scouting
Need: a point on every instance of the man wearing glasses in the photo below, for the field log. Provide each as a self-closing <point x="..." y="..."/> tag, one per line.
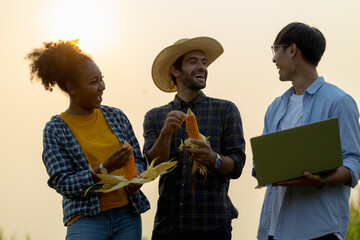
<point x="314" y="206"/>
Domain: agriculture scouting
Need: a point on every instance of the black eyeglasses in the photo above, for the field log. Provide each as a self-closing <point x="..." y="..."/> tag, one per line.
<point x="275" y="47"/>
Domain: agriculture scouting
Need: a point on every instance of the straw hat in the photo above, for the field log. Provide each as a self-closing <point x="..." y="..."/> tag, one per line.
<point x="161" y="68"/>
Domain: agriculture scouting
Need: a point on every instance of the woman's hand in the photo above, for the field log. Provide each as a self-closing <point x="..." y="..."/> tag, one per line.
<point x="117" y="159"/>
<point x="132" y="188"/>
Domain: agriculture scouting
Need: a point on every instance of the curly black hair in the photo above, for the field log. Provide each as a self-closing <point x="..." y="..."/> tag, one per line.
<point x="57" y="63"/>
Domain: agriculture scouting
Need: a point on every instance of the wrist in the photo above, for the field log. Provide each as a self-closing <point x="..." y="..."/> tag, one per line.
<point x="325" y="181"/>
<point x="218" y="161"/>
<point x="103" y="170"/>
<point x="213" y="158"/>
<point x="165" y="134"/>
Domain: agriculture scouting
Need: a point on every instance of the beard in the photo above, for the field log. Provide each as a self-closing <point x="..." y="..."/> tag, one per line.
<point x="190" y="82"/>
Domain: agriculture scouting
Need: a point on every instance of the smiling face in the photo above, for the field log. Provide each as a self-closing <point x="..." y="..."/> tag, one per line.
<point x="193" y="72"/>
<point x="86" y="94"/>
<point x="283" y="62"/>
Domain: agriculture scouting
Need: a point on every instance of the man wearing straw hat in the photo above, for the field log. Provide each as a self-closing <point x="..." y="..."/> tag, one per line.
<point x="193" y="205"/>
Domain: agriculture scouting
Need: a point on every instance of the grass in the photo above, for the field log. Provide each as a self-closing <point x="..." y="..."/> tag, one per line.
<point x="354" y="222"/>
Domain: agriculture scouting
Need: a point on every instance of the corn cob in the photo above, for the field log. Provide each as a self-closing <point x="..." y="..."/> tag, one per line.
<point x="193" y="132"/>
<point x="191" y="125"/>
<point x="129" y="168"/>
<point x="112" y="182"/>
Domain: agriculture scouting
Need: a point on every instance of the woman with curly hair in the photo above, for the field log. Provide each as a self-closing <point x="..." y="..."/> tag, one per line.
<point x="87" y="136"/>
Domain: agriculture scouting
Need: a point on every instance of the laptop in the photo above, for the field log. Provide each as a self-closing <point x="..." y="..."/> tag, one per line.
<point x="286" y="154"/>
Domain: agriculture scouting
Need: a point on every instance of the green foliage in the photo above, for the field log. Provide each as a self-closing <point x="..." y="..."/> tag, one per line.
<point x="354" y="223"/>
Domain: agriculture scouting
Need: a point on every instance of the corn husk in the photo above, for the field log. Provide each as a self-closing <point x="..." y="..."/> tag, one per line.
<point x="196" y="165"/>
<point x="113" y="182"/>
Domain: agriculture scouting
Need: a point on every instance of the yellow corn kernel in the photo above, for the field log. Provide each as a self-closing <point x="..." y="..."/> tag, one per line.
<point x="129" y="168"/>
<point x="191" y="125"/>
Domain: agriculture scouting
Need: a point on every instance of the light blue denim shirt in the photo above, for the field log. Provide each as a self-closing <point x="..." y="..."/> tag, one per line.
<point x="310" y="212"/>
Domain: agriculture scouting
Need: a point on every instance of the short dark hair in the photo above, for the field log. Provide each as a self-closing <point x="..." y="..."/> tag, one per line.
<point x="309" y="40"/>
<point x="178" y="65"/>
<point x="57" y="63"/>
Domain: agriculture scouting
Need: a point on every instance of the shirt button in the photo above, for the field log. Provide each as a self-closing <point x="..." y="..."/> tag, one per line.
<point x="182" y="185"/>
<point x="184" y="166"/>
<point x="181" y="204"/>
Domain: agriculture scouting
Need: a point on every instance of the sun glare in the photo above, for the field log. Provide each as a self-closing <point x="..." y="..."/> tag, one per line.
<point x="90" y="21"/>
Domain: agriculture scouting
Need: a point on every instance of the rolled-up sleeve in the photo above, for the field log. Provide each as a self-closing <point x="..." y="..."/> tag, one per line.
<point x="348" y="115"/>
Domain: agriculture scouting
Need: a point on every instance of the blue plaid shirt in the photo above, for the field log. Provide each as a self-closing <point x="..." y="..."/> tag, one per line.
<point x="69" y="171"/>
<point x="196" y="203"/>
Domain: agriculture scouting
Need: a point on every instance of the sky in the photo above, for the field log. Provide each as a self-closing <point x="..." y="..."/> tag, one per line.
<point x="124" y="37"/>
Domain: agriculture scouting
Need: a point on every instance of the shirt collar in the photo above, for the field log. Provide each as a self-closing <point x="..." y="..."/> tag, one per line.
<point x="315" y="86"/>
<point x="312" y="89"/>
<point x="181" y="104"/>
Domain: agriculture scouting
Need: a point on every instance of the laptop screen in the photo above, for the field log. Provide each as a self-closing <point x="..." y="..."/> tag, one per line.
<point x="286" y="154"/>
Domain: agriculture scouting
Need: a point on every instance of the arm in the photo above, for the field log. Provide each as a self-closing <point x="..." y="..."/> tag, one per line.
<point x="161" y="147"/>
<point x="65" y="169"/>
<point x="348" y="115"/>
<point x="115" y="161"/>
<point x="341" y="175"/>
<point x="346" y="111"/>
<point x="231" y="148"/>
<point x="205" y="155"/>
